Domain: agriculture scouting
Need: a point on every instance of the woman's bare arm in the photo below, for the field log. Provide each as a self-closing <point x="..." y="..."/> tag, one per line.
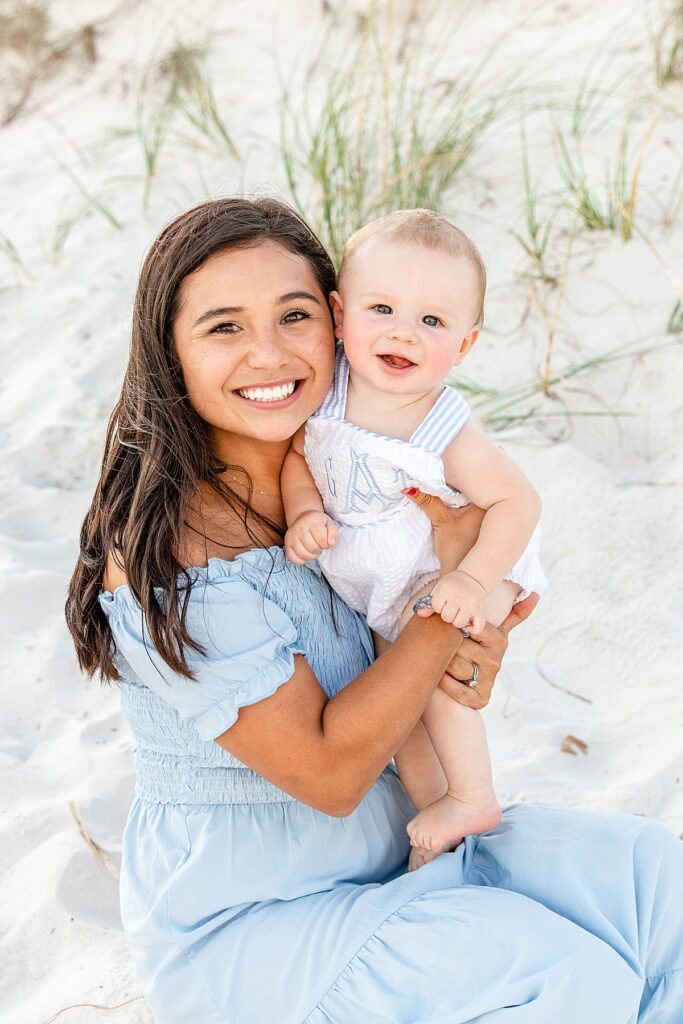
<point x="329" y="752"/>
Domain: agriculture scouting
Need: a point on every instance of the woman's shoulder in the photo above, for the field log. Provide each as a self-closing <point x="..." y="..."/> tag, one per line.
<point x="114" y="573"/>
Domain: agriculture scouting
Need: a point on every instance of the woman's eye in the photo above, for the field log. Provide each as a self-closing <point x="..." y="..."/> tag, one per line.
<point x="381" y="308"/>
<point x="295" y="315"/>
<point x="225" y="328"/>
<point x="431" y="321"/>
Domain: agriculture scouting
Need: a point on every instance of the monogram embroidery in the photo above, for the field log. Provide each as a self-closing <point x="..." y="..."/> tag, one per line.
<point x="363" y="489"/>
<point x="331" y="482"/>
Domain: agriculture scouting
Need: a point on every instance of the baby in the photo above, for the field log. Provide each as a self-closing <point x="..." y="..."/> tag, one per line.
<point x="409" y="308"/>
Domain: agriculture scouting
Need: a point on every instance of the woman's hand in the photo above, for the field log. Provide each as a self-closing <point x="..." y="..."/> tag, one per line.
<point x="486" y="652"/>
<point x="455" y="529"/>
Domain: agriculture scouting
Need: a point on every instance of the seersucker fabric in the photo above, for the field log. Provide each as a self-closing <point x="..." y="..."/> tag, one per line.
<point x="384" y="552"/>
<point x="243" y="905"/>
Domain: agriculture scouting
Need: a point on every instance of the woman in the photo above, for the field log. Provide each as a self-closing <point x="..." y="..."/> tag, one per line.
<point x="264" y="871"/>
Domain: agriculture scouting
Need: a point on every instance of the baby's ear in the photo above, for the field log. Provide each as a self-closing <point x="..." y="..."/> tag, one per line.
<point x="467" y="343"/>
<point x="337" y="313"/>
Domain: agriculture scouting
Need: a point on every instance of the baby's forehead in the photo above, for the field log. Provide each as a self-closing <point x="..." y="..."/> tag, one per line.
<point x="387" y="260"/>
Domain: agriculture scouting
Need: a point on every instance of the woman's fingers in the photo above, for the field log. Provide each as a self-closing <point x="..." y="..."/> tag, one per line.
<point x="459" y="669"/>
<point x="486" y="652"/>
<point x="520" y="612"/>
<point x="455" y="529"/>
<point x="476" y="696"/>
<point x="433" y="507"/>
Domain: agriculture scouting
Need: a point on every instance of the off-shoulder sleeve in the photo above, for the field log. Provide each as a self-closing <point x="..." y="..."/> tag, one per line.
<point x="249" y="645"/>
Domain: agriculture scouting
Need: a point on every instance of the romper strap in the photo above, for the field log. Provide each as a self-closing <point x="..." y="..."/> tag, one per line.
<point x="443" y="422"/>
<point x="334" y="403"/>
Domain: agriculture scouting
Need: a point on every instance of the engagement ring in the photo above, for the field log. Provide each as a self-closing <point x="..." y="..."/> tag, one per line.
<point x="473" y="680"/>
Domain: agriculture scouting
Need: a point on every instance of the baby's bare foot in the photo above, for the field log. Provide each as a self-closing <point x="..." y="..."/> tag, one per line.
<point x="419" y="855"/>
<point x="448" y="820"/>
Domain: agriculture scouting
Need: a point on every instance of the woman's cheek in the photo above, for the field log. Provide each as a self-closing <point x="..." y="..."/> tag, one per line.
<point x="206" y="378"/>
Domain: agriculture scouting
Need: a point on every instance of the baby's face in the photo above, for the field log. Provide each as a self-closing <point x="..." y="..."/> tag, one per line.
<point x="407" y="314"/>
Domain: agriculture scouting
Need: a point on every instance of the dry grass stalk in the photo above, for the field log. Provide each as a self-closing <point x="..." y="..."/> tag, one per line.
<point x="91" y="1006"/>
<point x="101" y="854"/>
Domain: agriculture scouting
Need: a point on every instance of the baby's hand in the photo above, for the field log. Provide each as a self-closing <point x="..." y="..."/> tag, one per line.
<point x="459" y="599"/>
<point x="308" y="535"/>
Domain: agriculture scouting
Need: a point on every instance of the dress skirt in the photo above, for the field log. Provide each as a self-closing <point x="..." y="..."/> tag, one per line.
<point x="278" y="914"/>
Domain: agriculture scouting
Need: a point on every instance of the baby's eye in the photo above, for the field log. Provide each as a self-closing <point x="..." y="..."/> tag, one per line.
<point x="431" y="321"/>
<point x="295" y="315"/>
<point x="381" y="308"/>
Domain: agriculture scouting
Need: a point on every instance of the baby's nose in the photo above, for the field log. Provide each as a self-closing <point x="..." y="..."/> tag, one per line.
<point x="403" y="332"/>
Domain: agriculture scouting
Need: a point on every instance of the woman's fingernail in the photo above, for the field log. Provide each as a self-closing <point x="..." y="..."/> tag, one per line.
<point x="412" y="491"/>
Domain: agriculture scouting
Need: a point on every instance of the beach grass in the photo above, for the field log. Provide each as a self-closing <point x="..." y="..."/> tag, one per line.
<point x="537" y="399"/>
<point x="607" y="201"/>
<point x="675" y="322"/>
<point x="384" y="134"/>
<point x="176" y="100"/>
<point x="667" y="44"/>
<point x="538" y="220"/>
<point x="32" y="51"/>
<point x="11" y="253"/>
<point x="604" y="186"/>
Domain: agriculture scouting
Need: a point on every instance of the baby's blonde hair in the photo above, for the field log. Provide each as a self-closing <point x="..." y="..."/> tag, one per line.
<point x="424" y="227"/>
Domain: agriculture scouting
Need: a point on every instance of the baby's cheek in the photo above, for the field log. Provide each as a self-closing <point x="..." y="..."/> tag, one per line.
<point x="444" y="358"/>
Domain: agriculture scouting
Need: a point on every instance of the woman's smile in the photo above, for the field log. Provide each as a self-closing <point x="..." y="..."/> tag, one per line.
<point x="272" y="396"/>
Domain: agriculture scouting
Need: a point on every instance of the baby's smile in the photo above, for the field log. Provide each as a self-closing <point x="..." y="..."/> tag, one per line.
<point x="396" y="362"/>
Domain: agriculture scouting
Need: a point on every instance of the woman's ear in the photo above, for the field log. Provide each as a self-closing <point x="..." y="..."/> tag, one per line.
<point x="466" y="345"/>
<point x="337" y="313"/>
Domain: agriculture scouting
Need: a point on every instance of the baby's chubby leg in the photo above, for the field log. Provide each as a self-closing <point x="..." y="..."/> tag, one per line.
<point x="423" y="780"/>
<point x="469" y="805"/>
<point x="458" y="737"/>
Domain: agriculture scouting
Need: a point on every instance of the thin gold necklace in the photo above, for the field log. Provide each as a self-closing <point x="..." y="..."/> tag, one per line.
<point x="255" y="490"/>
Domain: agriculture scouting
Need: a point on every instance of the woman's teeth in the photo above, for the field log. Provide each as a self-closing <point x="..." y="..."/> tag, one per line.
<point x="268" y="394"/>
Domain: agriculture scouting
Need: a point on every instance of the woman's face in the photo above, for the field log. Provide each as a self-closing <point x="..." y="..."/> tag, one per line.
<point x="254" y="339"/>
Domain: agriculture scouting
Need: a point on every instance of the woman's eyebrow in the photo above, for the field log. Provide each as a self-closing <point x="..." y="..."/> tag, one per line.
<point x="220" y="311"/>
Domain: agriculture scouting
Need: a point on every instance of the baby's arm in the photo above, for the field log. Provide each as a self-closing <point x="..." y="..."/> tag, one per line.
<point x="309" y="529"/>
<point x="476" y="466"/>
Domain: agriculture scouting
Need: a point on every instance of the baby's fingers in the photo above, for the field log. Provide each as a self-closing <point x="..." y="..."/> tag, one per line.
<point x="332" y="533"/>
<point x="292" y="552"/>
<point x="462" y="619"/>
<point x="424" y="612"/>
<point x="317" y="536"/>
<point x="477" y="623"/>
<point x="448" y="610"/>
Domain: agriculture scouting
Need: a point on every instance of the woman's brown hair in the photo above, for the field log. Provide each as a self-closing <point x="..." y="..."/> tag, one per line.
<point x="157" y="448"/>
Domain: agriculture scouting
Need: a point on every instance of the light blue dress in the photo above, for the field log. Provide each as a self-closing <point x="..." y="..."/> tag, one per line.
<point x="243" y="905"/>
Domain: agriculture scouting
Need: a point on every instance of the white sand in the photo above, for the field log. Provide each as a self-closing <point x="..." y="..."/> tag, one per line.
<point x="609" y="628"/>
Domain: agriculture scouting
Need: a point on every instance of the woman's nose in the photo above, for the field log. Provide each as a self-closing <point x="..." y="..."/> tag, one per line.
<point x="267" y="350"/>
